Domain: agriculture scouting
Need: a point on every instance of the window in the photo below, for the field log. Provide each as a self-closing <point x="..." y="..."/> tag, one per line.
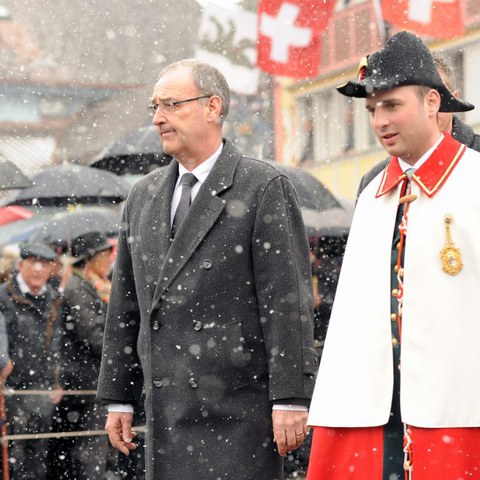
<point x="331" y="126"/>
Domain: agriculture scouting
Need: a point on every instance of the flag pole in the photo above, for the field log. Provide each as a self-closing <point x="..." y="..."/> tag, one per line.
<point x="377" y="6"/>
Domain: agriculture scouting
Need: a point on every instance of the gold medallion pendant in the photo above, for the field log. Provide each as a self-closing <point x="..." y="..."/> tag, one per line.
<point x="450" y="255"/>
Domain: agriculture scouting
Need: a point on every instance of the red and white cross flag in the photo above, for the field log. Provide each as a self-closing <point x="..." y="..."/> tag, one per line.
<point x="429" y="18"/>
<point x="289" y="35"/>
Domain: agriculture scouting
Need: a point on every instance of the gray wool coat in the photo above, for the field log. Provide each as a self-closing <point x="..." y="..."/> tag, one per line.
<point x="216" y="324"/>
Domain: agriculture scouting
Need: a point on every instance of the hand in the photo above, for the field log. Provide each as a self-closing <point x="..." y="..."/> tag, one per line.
<point x="289" y="429"/>
<point x="56" y="395"/>
<point x="119" y="429"/>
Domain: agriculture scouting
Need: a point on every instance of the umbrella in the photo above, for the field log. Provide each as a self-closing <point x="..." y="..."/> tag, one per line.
<point x="63" y="227"/>
<point x="13" y="213"/>
<point x="312" y="193"/>
<point x="11" y="176"/>
<point x="70" y="184"/>
<point x="334" y="222"/>
<point x="139" y="151"/>
<point x="323" y="214"/>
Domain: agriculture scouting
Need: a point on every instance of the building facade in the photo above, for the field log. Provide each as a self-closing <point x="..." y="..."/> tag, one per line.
<point x="329" y="134"/>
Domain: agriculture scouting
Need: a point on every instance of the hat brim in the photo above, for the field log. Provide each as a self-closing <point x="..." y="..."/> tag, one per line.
<point x="449" y="103"/>
<point x="39" y="257"/>
<point x="92" y="253"/>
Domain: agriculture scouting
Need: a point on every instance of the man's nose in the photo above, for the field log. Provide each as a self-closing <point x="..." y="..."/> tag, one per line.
<point x="379" y="119"/>
<point x="158" y="117"/>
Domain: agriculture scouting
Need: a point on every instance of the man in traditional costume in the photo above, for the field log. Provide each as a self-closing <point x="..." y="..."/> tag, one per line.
<point x="398" y="388"/>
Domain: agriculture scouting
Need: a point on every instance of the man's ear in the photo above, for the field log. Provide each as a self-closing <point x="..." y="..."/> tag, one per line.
<point x="214" y="104"/>
<point x="432" y="102"/>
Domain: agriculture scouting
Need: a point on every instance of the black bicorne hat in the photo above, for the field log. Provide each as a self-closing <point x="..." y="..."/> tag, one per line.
<point x="405" y="60"/>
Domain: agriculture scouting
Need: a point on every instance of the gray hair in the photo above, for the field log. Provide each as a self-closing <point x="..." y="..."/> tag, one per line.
<point x="208" y="79"/>
<point x="445" y="70"/>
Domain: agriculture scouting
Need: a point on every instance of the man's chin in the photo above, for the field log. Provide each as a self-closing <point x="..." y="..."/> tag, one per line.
<point x="392" y="150"/>
<point x="167" y="148"/>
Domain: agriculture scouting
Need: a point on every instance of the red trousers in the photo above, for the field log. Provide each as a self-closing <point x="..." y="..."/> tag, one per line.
<point x="357" y="454"/>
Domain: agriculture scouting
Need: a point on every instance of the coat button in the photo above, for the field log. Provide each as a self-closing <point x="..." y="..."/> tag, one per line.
<point x="156" y="325"/>
<point x="207" y="264"/>
<point x="395" y="292"/>
<point x="393" y="317"/>
<point x="158" y="382"/>
<point x="197" y="326"/>
<point x="394" y="342"/>
<point x="193" y="383"/>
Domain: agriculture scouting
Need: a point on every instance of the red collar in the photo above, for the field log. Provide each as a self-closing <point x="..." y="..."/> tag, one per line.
<point x="432" y="174"/>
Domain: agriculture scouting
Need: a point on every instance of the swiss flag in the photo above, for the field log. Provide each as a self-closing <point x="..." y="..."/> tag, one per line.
<point x="429" y="18"/>
<point x="289" y="35"/>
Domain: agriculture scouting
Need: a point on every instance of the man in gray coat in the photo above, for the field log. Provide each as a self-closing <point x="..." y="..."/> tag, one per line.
<point x="214" y="319"/>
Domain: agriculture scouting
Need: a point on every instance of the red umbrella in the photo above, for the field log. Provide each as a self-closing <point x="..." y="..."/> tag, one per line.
<point x="13" y="213"/>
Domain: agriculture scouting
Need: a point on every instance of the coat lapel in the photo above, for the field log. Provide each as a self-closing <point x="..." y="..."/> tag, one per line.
<point x="201" y="216"/>
<point x="155" y="222"/>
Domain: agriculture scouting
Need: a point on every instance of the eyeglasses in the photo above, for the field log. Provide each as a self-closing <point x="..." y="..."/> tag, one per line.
<point x="169" y="106"/>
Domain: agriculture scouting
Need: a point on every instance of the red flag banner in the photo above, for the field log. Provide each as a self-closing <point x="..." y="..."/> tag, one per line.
<point x="430" y="18"/>
<point x="289" y="35"/>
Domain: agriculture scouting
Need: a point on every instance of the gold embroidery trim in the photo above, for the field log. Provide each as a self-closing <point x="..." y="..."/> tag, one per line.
<point x="450" y="255"/>
<point x="454" y="161"/>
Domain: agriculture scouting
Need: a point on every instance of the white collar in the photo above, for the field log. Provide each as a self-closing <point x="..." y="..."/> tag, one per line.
<point x="201" y="172"/>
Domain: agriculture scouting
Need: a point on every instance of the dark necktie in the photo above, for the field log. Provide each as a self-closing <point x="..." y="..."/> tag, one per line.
<point x="187" y="181"/>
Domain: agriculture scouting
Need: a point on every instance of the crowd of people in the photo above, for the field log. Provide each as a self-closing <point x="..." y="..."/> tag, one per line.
<point x="52" y="317"/>
<point x="216" y="313"/>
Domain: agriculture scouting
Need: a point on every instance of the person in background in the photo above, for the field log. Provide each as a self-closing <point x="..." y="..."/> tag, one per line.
<point x="31" y="308"/>
<point x="6" y="365"/>
<point x="211" y="307"/>
<point x="61" y="270"/>
<point x="86" y="298"/>
<point x="8" y="258"/>
<point x="6" y="368"/>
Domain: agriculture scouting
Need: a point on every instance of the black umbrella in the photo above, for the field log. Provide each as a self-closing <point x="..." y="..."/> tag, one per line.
<point x="71" y="184"/>
<point x="63" y="227"/>
<point x="334" y="222"/>
<point x="323" y="214"/>
<point x="139" y="151"/>
<point x="312" y="193"/>
<point x="11" y="176"/>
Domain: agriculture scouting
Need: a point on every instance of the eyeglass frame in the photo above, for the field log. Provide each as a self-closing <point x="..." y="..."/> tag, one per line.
<point x="171" y="107"/>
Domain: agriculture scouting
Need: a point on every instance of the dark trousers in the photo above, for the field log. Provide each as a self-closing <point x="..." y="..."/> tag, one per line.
<point x="29" y="415"/>
<point x="79" y="457"/>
